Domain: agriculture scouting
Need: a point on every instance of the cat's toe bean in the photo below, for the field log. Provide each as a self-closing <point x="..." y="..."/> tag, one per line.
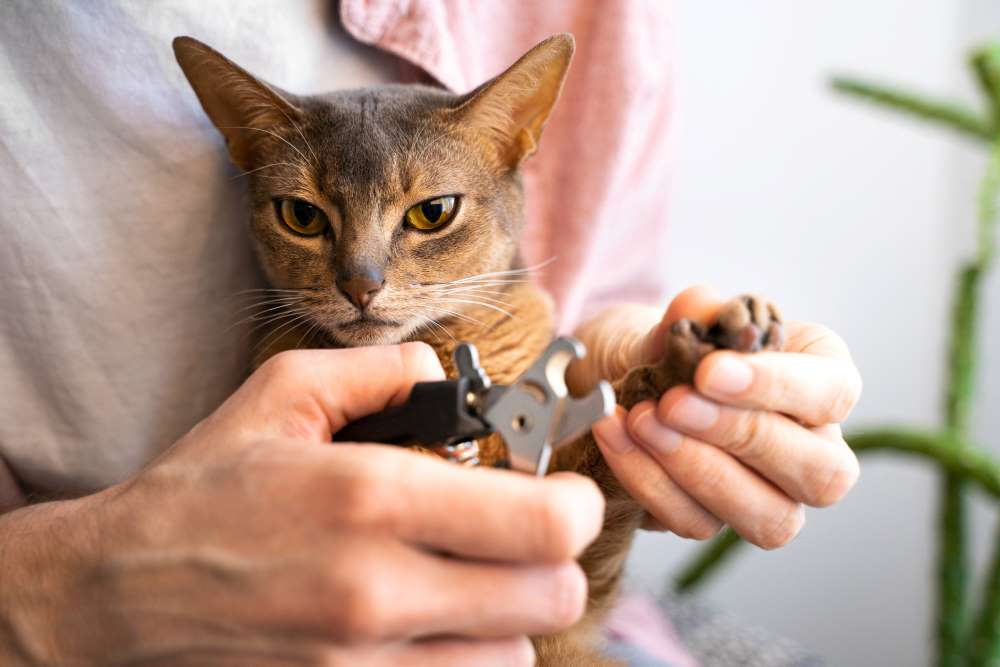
<point x="774" y="337"/>
<point x="747" y="323"/>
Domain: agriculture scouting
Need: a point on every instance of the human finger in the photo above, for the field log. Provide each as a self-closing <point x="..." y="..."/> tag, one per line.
<point x="811" y="466"/>
<point x="400" y="592"/>
<point x="814" y="389"/>
<point x="699" y="303"/>
<point x="757" y="510"/>
<point x="650" y="485"/>
<point x="438" y="652"/>
<point x="479" y="513"/>
<point x="311" y="394"/>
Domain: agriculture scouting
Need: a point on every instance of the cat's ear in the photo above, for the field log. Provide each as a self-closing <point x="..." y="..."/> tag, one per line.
<point x="513" y="107"/>
<point x="241" y="106"/>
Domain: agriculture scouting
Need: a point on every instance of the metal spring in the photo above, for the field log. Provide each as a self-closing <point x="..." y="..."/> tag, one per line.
<point x="465" y="453"/>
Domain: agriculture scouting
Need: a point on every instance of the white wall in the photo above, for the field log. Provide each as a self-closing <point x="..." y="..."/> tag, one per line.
<point x="854" y="218"/>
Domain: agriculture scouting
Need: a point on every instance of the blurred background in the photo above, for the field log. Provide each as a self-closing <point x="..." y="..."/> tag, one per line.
<point x="857" y="218"/>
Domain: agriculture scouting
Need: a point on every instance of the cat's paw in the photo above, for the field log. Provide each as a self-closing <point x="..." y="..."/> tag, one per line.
<point x="747" y="323"/>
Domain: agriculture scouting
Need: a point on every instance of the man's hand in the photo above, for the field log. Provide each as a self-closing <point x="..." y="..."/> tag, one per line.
<point x="756" y="437"/>
<point x="255" y="541"/>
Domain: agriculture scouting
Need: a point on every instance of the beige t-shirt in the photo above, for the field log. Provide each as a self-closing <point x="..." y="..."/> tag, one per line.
<point x="123" y="223"/>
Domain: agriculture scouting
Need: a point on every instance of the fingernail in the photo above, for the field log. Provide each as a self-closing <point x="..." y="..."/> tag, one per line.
<point x="729" y="375"/>
<point x="613" y="436"/>
<point x="655" y="435"/>
<point x="693" y="413"/>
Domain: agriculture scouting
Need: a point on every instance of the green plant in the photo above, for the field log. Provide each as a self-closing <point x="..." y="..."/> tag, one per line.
<point x="961" y="639"/>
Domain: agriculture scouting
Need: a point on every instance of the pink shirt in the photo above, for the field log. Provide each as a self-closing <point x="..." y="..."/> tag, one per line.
<point x="596" y="191"/>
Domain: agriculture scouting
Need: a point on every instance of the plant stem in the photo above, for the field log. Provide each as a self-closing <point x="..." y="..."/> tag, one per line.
<point x="984" y="645"/>
<point x="985" y="63"/>
<point x="952" y="548"/>
<point x="951" y="114"/>
<point x="962" y="460"/>
<point x="706" y="560"/>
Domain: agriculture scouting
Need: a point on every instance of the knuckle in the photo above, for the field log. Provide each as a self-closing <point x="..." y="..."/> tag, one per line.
<point x="359" y="612"/>
<point x="749" y="434"/>
<point x="777" y="533"/>
<point x="363" y="499"/>
<point x="711" y="476"/>
<point x="419" y="358"/>
<point x="553" y="530"/>
<point x="521" y="654"/>
<point x="287" y="364"/>
<point x="335" y="657"/>
<point x="569" y="597"/>
<point x="844" y="397"/>
<point x="701" y="528"/>
<point x="768" y="386"/>
<point x="840" y="480"/>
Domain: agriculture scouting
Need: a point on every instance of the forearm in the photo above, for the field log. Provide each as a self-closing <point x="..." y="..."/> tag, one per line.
<point x="617" y="339"/>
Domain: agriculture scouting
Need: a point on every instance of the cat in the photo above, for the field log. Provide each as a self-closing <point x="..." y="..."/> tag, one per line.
<point x="393" y="214"/>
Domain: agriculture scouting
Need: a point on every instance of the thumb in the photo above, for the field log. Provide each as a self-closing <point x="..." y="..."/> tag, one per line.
<point x="699" y="303"/>
<point x="312" y="394"/>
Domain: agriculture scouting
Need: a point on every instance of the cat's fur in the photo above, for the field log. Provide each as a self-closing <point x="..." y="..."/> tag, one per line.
<point x="363" y="157"/>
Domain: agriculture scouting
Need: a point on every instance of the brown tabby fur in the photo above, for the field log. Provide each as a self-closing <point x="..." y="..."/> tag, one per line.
<point x="364" y="157"/>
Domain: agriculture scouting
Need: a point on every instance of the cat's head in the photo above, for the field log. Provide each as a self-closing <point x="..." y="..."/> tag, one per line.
<point x="377" y="208"/>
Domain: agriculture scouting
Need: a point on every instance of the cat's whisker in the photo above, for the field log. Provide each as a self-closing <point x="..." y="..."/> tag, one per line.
<point x="285" y="312"/>
<point x="461" y="316"/>
<point x="500" y="285"/>
<point x="472" y="289"/>
<point x="268" y="304"/>
<point x="298" y="129"/>
<point x="272" y="133"/>
<point x="497" y="286"/>
<point x="308" y="334"/>
<point x="523" y="269"/>
<point x="434" y="142"/>
<point x="504" y="312"/>
<point x="280" y="331"/>
<point x="266" y="309"/>
<point x="282" y="312"/>
<point x="472" y="298"/>
<point x="490" y="295"/>
<point x="263" y="315"/>
<point x="273" y="290"/>
<point x="477" y="292"/>
<point x="260" y="323"/>
<point x="264" y="297"/>
<point x="438" y="327"/>
<point x="252" y="171"/>
<point x="509" y="273"/>
<point x="472" y="295"/>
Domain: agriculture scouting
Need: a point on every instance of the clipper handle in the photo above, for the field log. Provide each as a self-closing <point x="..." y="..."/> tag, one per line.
<point x="437" y="413"/>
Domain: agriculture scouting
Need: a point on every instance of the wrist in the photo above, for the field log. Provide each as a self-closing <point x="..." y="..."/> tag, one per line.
<point x="45" y="551"/>
<point x="617" y="339"/>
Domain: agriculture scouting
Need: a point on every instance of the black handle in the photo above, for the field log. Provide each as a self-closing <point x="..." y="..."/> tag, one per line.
<point x="437" y="413"/>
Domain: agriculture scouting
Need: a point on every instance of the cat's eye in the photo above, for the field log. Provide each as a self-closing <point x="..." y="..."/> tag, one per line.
<point x="301" y="217"/>
<point x="432" y="213"/>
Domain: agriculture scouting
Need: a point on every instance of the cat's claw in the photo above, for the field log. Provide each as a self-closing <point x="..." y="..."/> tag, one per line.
<point x="745" y="324"/>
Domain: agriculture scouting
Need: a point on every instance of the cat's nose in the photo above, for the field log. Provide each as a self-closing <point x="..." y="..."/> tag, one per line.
<point x="362" y="286"/>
